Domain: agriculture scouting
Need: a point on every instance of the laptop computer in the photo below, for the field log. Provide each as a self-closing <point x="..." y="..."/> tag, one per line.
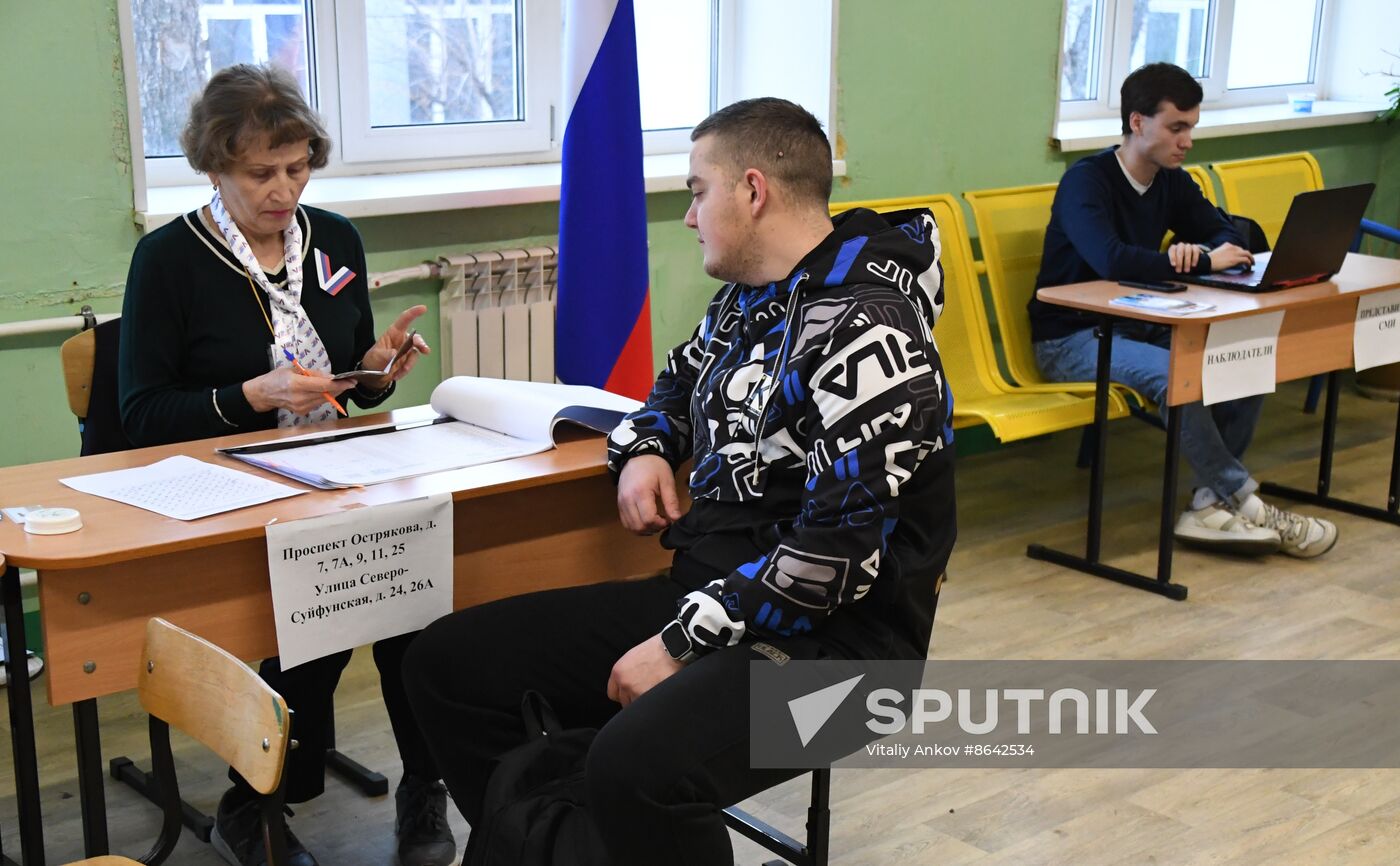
<point x="1311" y="246"/>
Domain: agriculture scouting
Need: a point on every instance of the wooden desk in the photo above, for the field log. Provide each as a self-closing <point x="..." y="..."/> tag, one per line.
<point x="1316" y="337"/>
<point x="537" y="522"/>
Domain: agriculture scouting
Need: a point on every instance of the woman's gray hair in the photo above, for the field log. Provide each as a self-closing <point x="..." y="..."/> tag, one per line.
<point x="241" y="103"/>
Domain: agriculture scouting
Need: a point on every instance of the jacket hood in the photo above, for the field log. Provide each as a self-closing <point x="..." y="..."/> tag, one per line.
<point x="899" y="249"/>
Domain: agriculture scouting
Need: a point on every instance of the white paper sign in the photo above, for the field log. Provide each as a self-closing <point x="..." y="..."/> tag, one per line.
<point x="344" y="580"/>
<point x="1240" y="357"/>
<point x="1376" y="340"/>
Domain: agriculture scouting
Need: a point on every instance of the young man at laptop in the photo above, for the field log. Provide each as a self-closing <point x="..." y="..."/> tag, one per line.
<point x="1110" y="214"/>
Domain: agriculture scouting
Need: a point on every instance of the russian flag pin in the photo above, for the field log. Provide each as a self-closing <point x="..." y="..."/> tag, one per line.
<point x="332" y="283"/>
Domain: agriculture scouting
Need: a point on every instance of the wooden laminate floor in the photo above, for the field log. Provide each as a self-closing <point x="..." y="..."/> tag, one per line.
<point x="997" y="604"/>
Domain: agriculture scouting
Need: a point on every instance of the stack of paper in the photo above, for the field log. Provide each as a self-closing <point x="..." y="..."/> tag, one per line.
<point x="182" y="487"/>
<point x="1162" y="306"/>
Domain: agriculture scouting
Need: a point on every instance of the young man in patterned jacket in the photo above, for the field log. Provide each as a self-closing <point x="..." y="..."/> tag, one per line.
<point x="812" y="404"/>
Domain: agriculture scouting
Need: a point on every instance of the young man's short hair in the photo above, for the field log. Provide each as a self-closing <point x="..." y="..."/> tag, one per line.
<point x="779" y="138"/>
<point x="1145" y="89"/>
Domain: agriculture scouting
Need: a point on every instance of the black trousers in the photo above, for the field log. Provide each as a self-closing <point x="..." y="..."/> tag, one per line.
<point x="308" y="690"/>
<point x="660" y="770"/>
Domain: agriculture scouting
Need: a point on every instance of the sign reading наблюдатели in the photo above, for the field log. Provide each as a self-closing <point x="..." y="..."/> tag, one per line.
<point x="347" y="579"/>
<point x="1240" y="358"/>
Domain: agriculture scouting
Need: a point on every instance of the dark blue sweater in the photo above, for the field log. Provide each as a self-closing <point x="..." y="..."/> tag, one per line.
<point x="1101" y="228"/>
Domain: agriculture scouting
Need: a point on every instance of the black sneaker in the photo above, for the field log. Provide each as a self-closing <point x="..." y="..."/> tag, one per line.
<point x="237" y="835"/>
<point x="421" y="828"/>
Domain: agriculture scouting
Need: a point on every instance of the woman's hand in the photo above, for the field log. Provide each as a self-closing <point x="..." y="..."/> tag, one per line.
<point x="285" y="388"/>
<point x="388" y="345"/>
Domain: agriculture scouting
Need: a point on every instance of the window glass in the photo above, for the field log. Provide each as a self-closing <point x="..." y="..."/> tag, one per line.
<point x="443" y="61"/>
<point x="181" y="43"/>
<point x="1079" y="61"/>
<point x="673" y="61"/>
<point x="1273" y="43"/>
<point x="1171" y="31"/>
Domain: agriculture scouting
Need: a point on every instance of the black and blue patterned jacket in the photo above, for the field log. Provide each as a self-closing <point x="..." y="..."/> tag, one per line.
<point x="818" y="419"/>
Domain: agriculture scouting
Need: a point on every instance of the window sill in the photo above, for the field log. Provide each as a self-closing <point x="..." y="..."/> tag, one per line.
<point x="426" y="191"/>
<point x="1077" y="135"/>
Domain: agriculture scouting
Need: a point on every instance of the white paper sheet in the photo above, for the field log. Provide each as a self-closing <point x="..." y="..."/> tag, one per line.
<point x="1240" y="358"/>
<point x="394" y="455"/>
<point x="1376" y="340"/>
<point x="348" y="579"/>
<point x="182" y="487"/>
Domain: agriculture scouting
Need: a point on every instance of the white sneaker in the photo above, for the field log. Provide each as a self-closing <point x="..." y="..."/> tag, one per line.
<point x="1217" y="528"/>
<point x="1300" y="535"/>
<point x="36" y="667"/>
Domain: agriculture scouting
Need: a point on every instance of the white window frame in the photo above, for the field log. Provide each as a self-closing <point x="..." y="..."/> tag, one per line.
<point x="397" y="152"/>
<point x="362" y="143"/>
<point x="1114" y="59"/>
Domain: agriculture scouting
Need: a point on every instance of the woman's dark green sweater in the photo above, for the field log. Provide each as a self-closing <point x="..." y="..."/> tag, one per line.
<point x="192" y="331"/>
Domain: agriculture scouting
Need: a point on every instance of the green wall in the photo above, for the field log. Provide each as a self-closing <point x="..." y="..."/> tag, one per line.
<point x="933" y="96"/>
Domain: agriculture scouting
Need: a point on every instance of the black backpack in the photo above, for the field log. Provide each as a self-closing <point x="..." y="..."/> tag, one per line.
<point x="534" y="811"/>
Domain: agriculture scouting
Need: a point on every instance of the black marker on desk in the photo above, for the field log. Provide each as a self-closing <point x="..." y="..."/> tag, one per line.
<point x="1154" y="286"/>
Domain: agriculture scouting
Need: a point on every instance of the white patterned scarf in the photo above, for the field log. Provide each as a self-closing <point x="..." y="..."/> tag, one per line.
<point x="292" y="331"/>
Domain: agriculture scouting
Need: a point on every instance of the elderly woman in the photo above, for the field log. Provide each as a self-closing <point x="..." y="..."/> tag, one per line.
<point x="234" y="318"/>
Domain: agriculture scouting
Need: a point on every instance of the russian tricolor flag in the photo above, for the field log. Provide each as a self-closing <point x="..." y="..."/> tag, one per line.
<point x="603" y="330"/>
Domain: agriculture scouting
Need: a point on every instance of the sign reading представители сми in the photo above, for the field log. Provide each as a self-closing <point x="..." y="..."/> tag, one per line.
<point x="1376" y="340"/>
<point x="347" y="579"/>
<point x="1240" y="359"/>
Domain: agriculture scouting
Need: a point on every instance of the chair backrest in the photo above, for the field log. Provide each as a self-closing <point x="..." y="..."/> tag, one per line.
<point x="90" y="378"/>
<point x="963" y="334"/>
<point x="1263" y="188"/>
<point x="1011" y="225"/>
<point x="195" y="686"/>
<point x="79" y="354"/>
<point x="1202" y="178"/>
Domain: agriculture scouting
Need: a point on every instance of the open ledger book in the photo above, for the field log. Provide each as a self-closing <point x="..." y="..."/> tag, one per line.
<point x="481" y="421"/>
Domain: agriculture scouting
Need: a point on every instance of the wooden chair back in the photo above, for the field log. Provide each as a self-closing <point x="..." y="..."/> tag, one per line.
<point x="213" y="697"/>
<point x="79" y="353"/>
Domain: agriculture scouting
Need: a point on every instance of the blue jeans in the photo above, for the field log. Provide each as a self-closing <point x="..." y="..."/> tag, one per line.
<point x="1213" y="438"/>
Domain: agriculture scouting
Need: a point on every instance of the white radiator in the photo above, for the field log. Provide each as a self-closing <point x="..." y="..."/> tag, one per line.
<point x="497" y="313"/>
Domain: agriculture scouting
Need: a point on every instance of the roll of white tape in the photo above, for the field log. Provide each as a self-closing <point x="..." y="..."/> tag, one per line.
<point x="53" y="521"/>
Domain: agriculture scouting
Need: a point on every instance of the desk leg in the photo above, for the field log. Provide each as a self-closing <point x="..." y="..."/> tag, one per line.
<point x="31" y="827"/>
<point x="1329" y="437"/>
<point x="1166" y="530"/>
<point x="1095" y="531"/>
<point x="1389" y="514"/>
<point x="91" y="795"/>
<point x="1089" y="563"/>
<point x="125" y="771"/>
<point x="370" y="783"/>
<point x="1393" y="503"/>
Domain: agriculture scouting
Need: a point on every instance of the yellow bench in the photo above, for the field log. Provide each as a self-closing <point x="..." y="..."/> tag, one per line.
<point x="963" y="335"/>
<point x="1263" y="188"/>
<point x="1011" y="223"/>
